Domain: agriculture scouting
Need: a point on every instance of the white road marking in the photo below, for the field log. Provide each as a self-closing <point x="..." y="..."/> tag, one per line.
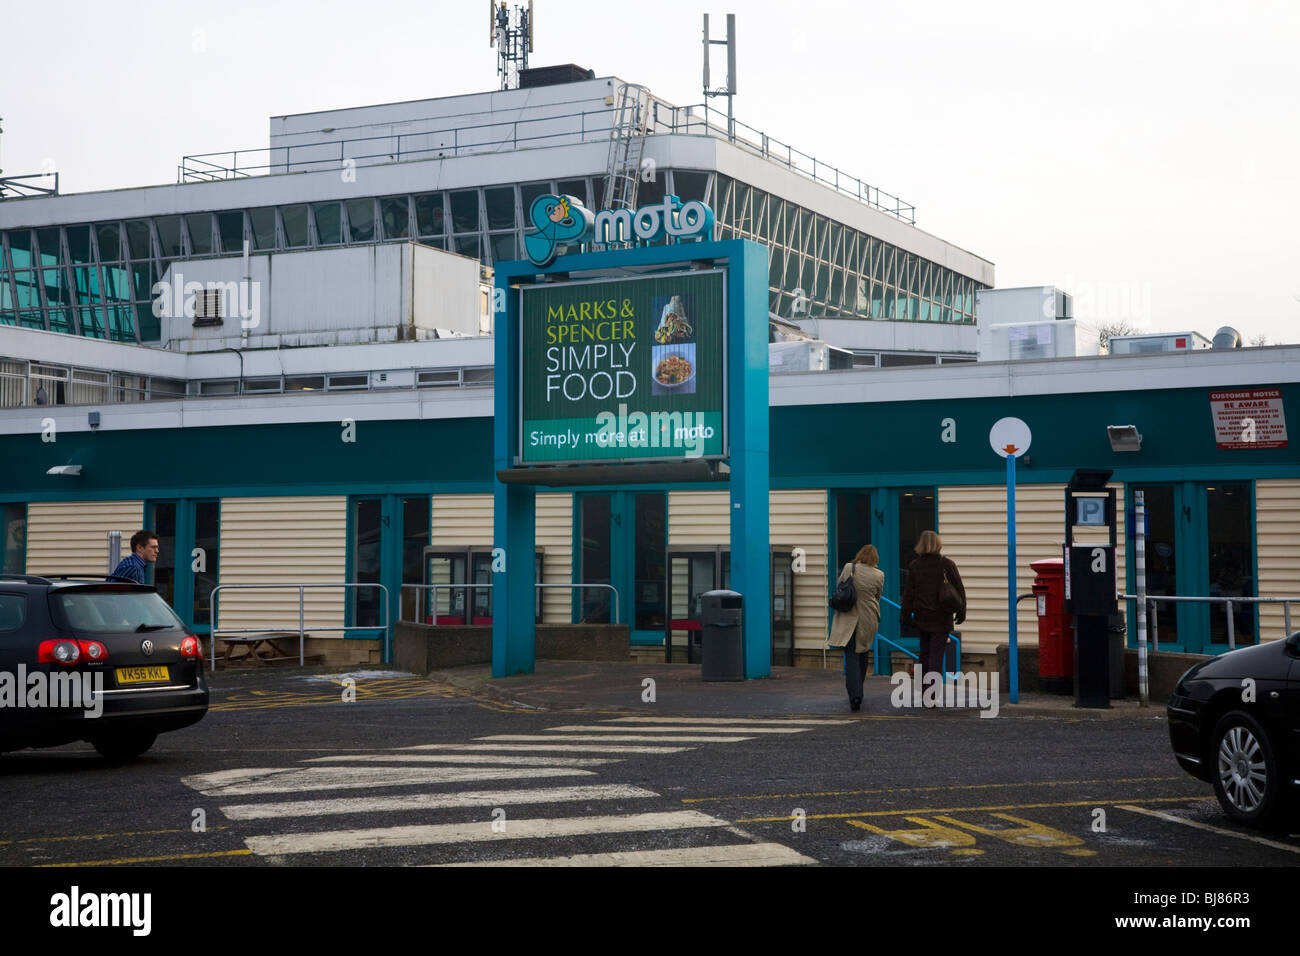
<point x="750" y="854"/>
<point x="424" y="835"/>
<point x="433" y="801"/>
<point x="617" y="738"/>
<point x="508" y="760"/>
<point x="605" y="728"/>
<point x="1205" y="826"/>
<point x="351" y="778"/>
<point x="775" y="721"/>
<point x="568" y="748"/>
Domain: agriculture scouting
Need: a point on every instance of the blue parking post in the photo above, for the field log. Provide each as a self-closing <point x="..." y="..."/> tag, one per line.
<point x="1013" y="656"/>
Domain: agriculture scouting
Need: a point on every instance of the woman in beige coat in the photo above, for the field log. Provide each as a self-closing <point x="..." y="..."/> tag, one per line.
<point x="855" y="630"/>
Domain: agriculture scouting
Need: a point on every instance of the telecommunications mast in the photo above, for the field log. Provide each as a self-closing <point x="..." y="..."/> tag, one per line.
<point x="513" y="38"/>
<point x="729" y="90"/>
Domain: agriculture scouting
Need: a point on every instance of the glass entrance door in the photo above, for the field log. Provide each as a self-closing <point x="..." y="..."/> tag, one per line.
<point x="690" y="574"/>
<point x="1164" y="515"/>
<point x="1231" y="561"/>
<point x="782" y="608"/>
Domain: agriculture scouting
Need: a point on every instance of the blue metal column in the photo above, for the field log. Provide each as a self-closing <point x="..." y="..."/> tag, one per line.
<point x="514" y="507"/>
<point x="747" y="402"/>
<point x="1013" y="653"/>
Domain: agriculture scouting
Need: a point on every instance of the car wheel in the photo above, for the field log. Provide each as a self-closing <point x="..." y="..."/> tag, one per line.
<point x="1246" y="776"/>
<point x="124" y="746"/>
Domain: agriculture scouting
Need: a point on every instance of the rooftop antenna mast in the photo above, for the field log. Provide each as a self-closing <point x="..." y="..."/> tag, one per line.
<point x="513" y="38"/>
<point x="729" y="89"/>
<point x="12" y="187"/>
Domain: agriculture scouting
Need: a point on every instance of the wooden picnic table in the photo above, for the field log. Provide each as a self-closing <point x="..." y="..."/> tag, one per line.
<point x="261" y="648"/>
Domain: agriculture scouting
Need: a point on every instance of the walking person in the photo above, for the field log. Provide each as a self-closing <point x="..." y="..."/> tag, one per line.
<point x="855" y="629"/>
<point x="922" y="600"/>
<point x="144" y="551"/>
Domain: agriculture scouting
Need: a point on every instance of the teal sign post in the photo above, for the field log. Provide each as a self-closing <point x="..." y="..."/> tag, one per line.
<point x="600" y="368"/>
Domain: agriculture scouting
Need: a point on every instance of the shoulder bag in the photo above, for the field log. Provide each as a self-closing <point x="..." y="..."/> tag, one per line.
<point x="845" y="595"/>
<point x="949" y="599"/>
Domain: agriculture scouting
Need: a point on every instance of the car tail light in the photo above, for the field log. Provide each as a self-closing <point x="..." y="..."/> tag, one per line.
<point x="191" y="647"/>
<point x="93" y="651"/>
<point x="59" y="652"/>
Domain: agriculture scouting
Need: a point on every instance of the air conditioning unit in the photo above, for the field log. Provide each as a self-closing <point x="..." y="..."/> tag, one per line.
<point x="208" y="308"/>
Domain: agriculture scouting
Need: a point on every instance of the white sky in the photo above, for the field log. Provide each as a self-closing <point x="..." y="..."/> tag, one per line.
<point x="1142" y="155"/>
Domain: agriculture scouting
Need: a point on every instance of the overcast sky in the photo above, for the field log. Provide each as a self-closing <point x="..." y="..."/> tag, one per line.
<point x="1143" y="155"/>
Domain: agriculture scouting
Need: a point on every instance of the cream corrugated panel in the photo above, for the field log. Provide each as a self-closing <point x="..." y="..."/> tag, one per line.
<point x="798" y="520"/>
<point x="554" y="537"/>
<point x="71" y="537"/>
<point x="283" y="540"/>
<point x="1277" y="528"/>
<point x="462" y="521"/>
<point x="973" y="526"/>
<point x="698" y="519"/>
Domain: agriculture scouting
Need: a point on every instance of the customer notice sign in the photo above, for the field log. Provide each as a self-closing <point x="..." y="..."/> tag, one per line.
<point x="1249" y="418"/>
<point x="624" y="370"/>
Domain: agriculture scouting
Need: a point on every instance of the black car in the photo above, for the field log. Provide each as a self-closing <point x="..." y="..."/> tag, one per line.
<point x="1234" y="722"/>
<point x="105" y="661"/>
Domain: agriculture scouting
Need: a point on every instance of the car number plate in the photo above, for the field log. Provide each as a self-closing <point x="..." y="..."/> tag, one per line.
<point x="141" y="675"/>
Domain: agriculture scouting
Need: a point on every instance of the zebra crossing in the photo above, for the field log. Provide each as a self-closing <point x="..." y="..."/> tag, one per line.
<point x="421" y="794"/>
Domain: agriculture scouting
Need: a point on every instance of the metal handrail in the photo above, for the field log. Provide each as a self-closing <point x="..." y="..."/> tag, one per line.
<point x="436" y="587"/>
<point x="1286" y="603"/>
<point x="680" y="121"/>
<point x="301" y="623"/>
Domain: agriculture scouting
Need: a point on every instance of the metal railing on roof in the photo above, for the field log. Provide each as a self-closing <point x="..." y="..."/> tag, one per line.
<point x="585" y="126"/>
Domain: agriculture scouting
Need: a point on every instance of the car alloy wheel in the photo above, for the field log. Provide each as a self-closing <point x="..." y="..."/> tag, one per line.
<point x="1246" y="778"/>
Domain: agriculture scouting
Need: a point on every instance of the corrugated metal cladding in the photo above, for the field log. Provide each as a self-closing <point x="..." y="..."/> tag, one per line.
<point x="71" y="537"/>
<point x="1277" y="529"/>
<point x="462" y="521"/>
<point x="973" y="527"/>
<point x="282" y="541"/>
<point x="554" y="535"/>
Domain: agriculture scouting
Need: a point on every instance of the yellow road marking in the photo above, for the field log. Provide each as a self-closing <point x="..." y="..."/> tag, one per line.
<point x="1292" y="848"/>
<point x="1007" y="806"/>
<point x="147" y="859"/>
<point x="98" y="836"/>
<point x="958" y="786"/>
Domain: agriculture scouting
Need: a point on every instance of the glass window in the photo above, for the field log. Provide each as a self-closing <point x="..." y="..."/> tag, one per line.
<point x="329" y="223"/>
<point x="429" y="219"/>
<point x="852" y="525"/>
<point x="137" y="239"/>
<point x="361" y="220"/>
<point x="688" y="185"/>
<point x="504" y="247"/>
<point x="464" y="211"/>
<point x="304" y="383"/>
<point x="366" y="518"/>
<point x="500" y="203"/>
<point x="396" y="217"/>
<point x="1231" y="560"/>
<point x="14" y="543"/>
<point x="595" y="567"/>
<point x="415" y="536"/>
<point x="294" y="219"/>
<point x="79" y="244"/>
<point x="200" y="227"/>
<point x="162" y="522"/>
<point x="650" y="193"/>
<point x="577" y="188"/>
<point x="231" y="227"/>
<point x="169" y="236"/>
<point x="13" y="611"/>
<point x="469" y="246"/>
<point x="20" y="248"/>
<point x="148" y="324"/>
<point x="529" y="192"/>
<point x="207" y="539"/>
<point x="651" y="562"/>
<point x="47" y="241"/>
<point x="262" y="223"/>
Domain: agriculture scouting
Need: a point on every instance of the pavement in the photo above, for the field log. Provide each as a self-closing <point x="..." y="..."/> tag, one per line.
<point x="678" y="688"/>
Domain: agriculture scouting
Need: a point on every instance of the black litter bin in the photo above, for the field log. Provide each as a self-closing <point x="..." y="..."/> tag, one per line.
<point x="722" y="649"/>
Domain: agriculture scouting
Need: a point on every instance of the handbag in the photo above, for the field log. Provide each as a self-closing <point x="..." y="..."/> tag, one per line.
<point x="845" y="595"/>
<point x="950" y="601"/>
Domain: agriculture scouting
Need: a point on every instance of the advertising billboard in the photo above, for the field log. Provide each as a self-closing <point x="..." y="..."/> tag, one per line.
<point x="624" y="369"/>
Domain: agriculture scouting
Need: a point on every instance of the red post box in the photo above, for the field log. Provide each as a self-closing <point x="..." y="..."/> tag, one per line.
<point x="1055" y="630"/>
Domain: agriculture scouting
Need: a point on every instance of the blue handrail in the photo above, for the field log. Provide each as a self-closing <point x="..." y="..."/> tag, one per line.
<point x="875" y="647"/>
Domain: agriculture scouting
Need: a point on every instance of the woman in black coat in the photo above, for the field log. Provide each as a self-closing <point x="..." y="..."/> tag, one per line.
<point x="921" y="606"/>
